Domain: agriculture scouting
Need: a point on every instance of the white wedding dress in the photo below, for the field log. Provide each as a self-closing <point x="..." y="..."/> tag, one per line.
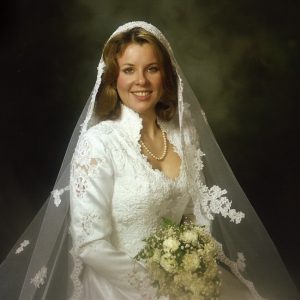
<point x="117" y="200"/>
<point x="114" y="199"/>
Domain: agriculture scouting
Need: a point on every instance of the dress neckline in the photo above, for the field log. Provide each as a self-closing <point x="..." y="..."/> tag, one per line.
<point x="160" y="172"/>
<point x="132" y="123"/>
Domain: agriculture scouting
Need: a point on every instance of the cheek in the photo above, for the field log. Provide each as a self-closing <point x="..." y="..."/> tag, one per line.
<point x="119" y="82"/>
<point x="122" y="83"/>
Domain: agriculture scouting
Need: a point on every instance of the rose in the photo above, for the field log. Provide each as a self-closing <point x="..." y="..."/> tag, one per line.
<point x="190" y="262"/>
<point x="168" y="262"/>
<point x="171" y="245"/>
<point x="189" y="236"/>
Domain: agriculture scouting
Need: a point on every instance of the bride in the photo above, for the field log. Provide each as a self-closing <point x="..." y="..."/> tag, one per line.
<point x="144" y="152"/>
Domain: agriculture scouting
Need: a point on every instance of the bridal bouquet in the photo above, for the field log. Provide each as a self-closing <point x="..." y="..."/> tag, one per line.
<point x="181" y="260"/>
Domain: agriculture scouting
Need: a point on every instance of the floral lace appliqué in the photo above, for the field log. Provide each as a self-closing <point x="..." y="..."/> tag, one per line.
<point x="204" y="116"/>
<point x="214" y="202"/>
<point x="83" y="167"/>
<point x="241" y="261"/>
<point x="56" y="194"/>
<point x="78" y="266"/>
<point x="87" y="222"/>
<point x="24" y="244"/>
<point x="140" y="280"/>
<point x="40" y="277"/>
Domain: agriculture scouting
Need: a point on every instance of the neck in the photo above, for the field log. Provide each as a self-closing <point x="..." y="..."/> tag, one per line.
<point x="150" y="128"/>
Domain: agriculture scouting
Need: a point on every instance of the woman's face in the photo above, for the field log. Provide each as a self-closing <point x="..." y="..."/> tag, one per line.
<point x="139" y="82"/>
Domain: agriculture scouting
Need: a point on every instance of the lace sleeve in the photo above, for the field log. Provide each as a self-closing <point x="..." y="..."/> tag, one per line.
<point x="91" y="188"/>
<point x="92" y="183"/>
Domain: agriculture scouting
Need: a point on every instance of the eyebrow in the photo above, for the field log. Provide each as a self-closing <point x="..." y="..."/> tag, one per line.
<point x="132" y="65"/>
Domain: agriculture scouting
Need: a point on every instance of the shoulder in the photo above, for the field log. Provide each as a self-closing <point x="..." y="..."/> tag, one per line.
<point x="101" y="133"/>
<point x="101" y="130"/>
<point x="95" y="141"/>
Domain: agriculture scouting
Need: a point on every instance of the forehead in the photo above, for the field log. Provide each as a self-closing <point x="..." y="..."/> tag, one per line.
<point x="135" y="53"/>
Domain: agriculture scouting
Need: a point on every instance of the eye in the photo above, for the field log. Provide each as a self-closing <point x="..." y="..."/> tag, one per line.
<point x="153" y="69"/>
<point x="128" y="70"/>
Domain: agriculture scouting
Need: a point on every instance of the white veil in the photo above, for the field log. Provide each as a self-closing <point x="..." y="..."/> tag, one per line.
<point x="41" y="266"/>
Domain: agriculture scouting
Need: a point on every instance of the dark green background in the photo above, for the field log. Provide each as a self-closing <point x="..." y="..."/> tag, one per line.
<point x="241" y="58"/>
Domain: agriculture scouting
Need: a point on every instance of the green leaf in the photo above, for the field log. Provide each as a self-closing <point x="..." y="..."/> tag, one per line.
<point x="167" y="222"/>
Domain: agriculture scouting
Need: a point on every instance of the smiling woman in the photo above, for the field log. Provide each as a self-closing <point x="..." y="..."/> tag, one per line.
<point x="144" y="153"/>
<point x="108" y="99"/>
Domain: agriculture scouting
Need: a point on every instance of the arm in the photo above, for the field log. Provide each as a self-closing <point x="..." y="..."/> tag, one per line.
<point x="92" y="183"/>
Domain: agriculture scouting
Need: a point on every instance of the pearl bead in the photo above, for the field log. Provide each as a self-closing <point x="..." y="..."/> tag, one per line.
<point x="164" y="151"/>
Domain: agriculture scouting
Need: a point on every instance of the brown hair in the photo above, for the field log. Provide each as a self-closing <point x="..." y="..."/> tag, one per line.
<point x="108" y="102"/>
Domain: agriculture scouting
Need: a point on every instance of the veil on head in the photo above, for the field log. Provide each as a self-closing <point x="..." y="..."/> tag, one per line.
<point x="41" y="265"/>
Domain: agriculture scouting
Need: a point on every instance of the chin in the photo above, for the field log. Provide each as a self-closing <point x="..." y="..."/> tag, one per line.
<point x="143" y="108"/>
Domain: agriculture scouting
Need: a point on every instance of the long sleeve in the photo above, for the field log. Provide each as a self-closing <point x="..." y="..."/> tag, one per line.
<point x="92" y="184"/>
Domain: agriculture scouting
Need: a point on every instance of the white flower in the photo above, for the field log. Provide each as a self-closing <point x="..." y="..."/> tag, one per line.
<point x="156" y="256"/>
<point x="191" y="262"/>
<point x="168" y="262"/>
<point x="189" y="236"/>
<point x="171" y="245"/>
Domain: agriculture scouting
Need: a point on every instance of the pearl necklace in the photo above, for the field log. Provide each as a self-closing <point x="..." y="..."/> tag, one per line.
<point x="165" y="148"/>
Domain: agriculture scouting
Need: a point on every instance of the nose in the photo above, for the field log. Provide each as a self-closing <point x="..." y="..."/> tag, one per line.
<point x="141" y="78"/>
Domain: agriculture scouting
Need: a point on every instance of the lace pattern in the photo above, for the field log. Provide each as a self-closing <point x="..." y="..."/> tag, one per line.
<point x="140" y="281"/>
<point x="84" y="166"/>
<point x="56" y="194"/>
<point x="207" y="200"/>
<point x="236" y="268"/>
<point x="40" y="277"/>
<point x="87" y="220"/>
<point x="77" y="269"/>
<point x="22" y="246"/>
